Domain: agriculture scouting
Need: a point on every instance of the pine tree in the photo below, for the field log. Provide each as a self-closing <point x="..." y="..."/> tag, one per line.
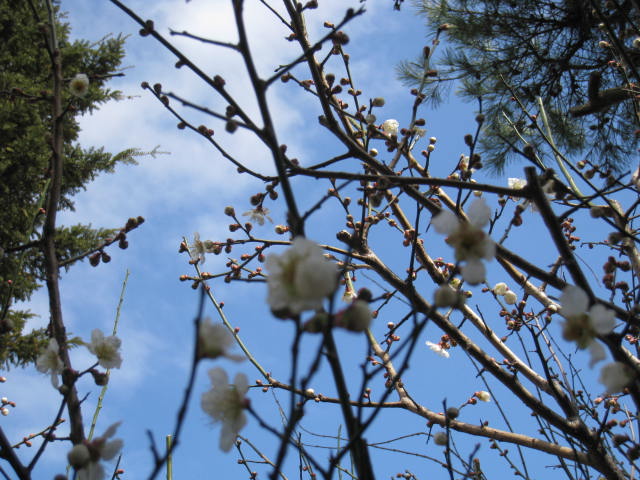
<point x="25" y="131"/>
<point x="578" y="58"/>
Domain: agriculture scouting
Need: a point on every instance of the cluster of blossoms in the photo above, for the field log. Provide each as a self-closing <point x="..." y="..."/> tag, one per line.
<point x="86" y="457"/>
<point x="502" y="290"/>
<point x="106" y="349"/>
<point x="226" y="403"/>
<point x="299" y="279"/>
<point x="470" y="242"/>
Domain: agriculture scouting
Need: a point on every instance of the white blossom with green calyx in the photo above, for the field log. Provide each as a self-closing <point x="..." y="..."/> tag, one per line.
<point x="470" y="242"/>
<point x="615" y="377"/>
<point x="300" y="278"/>
<point x="215" y="340"/>
<point x="583" y="324"/>
<point x="225" y="403"/>
<point x="106" y="349"/>
<point x="49" y="361"/>
<point x="437" y="348"/>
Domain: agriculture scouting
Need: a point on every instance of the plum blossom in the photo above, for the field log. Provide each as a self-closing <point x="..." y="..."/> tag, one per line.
<point x="390" y="127"/>
<point x="106" y="349"/>
<point x="516" y="183"/>
<point x="615" y="377"/>
<point x="470" y="242"/>
<point x="214" y="340"/>
<point x="86" y="457"/>
<point x="79" y="85"/>
<point x="300" y="278"/>
<point x="483" y="396"/>
<point x="510" y="297"/>
<point x="197" y="249"/>
<point x="258" y="215"/>
<point x="225" y="403"/>
<point x="500" y="288"/>
<point x="582" y="325"/>
<point x="437" y="348"/>
<point x="49" y="361"/>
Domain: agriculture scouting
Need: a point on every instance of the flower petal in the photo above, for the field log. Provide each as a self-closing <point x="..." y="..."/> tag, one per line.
<point x="473" y="271"/>
<point x="597" y="353"/>
<point x="479" y="213"/>
<point x="602" y="319"/>
<point x="574" y="301"/>
<point x="445" y="222"/>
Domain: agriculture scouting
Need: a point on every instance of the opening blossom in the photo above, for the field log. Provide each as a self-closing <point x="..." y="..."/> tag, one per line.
<point x="582" y="326"/>
<point x="258" y="215"/>
<point x="79" y="85"/>
<point x="390" y="127"/>
<point x="470" y="242"/>
<point x="49" y="361"/>
<point x="197" y="249"/>
<point x="300" y="278"/>
<point x="226" y="403"/>
<point x="214" y="340"/>
<point x="106" y="349"/>
<point x="86" y="457"/>
<point x="437" y="348"/>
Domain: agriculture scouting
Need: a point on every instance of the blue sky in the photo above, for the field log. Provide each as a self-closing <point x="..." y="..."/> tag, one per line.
<point x="185" y="191"/>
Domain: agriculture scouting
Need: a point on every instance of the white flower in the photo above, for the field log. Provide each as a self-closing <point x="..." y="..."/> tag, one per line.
<point x="106" y="349"/>
<point x="79" y="85"/>
<point x="4" y="411"/>
<point x="390" y="127"/>
<point x="86" y="457"/>
<point x="483" y="396"/>
<point x="300" y="278"/>
<point x="435" y="347"/>
<point x="500" y="288"/>
<point x="583" y="326"/>
<point x="214" y="340"/>
<point x="510" y="298"/>
<point x="615" y="376"/>
<point x="258" y="215"/>
<point x="470" y="242"/>
<point x="50" y="361"/>
<point x="226" y="403"/>
<point x="517" y="183"/>
<point x="197" y="249"/>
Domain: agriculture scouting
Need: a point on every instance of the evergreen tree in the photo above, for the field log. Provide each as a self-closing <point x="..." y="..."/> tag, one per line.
<point x="25" y="131"/>
<point x="576" y="57"/>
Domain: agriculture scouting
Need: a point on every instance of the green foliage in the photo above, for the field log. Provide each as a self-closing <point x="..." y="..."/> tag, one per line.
<point x="25" y="129"/>
<point x="502" y="49"/>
